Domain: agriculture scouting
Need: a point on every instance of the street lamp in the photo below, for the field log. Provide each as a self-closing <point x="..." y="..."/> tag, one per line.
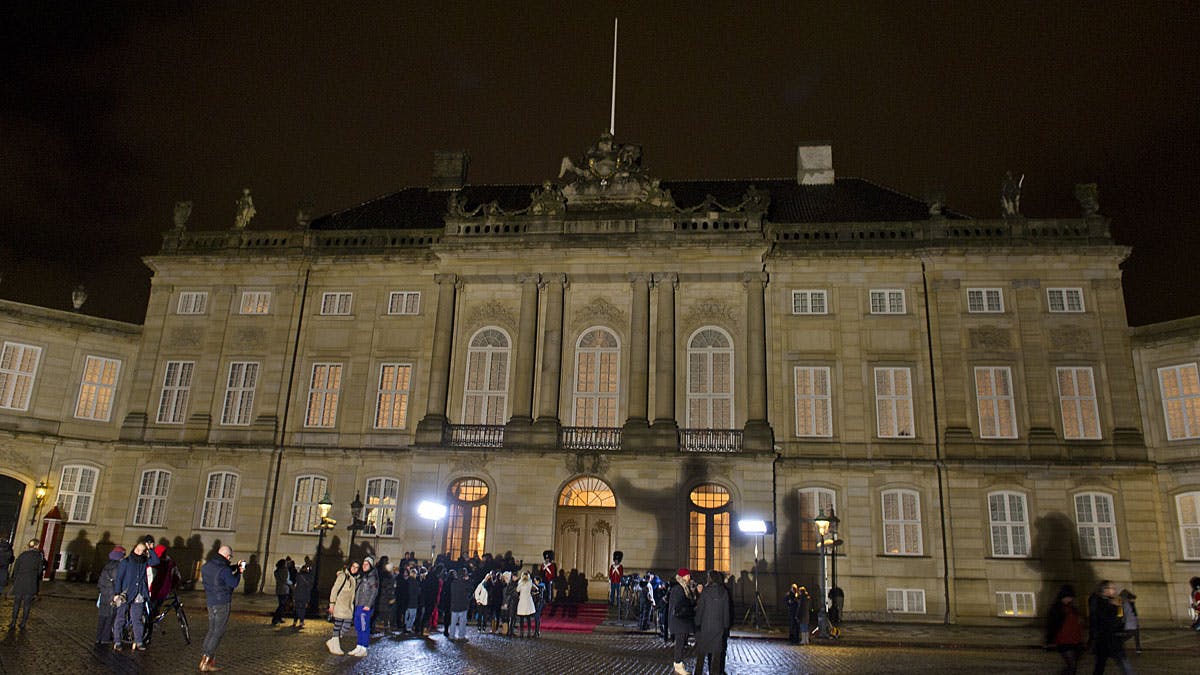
<point x="435" y="512"/>
<point x="324" y="526"/>
<point x="756" y="528"/>
<point x="827" y="537"/>
<point x="356" y="522"/>
<point x="39" y="497"/>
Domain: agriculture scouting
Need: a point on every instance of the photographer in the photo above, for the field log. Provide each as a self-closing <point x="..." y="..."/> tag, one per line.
<point x="133" y="592"/>
<point x="220" y="577"/>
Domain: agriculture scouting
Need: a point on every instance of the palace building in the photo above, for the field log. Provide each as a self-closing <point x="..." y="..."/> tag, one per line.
<point x="608" y="362"/>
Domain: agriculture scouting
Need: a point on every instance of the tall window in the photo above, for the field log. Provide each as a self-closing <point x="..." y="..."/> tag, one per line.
<point x="1180" y="388"/>
<point x="404" y="302"/>
<point x="76" y="492"/>
<point x="391" y="401"/>
<point x="323" y="391"/>
<point x="18" y="366"/>
<point x="1077" y="400"/>
<point x="902" y="522"/>
<point x="597" y="371"/>
<point x="1097" y="525"/>
<point x="239" y="393"/>
<point x="219" y="495"/>
<point x="97" y="389"/>
<point x="1010" y="524"/>
<point x="192" y="302"/>
<point x="486" y="397"/>
<point x="1064" y="299"/>
<point x="887" y="301"/>
<point x="255" y="302"/>
<point x="906" y="600"/>
<point x="466" y="527"/>
<point x="306" y="508"/>
<point x="893" y="403"/>
<point x="994" y="396"/>
<point x="813" y="502"/>
<point x="380" y="509"/>
<point x="710" y="380"/>
<point x="708" y="511"/>
<point x="336" y="303"/>
<point x="1188" y="506"/>
<point x="152" y="498"/>
<point x="813" y="413"/>
<point x="985" y="300"/>
<point x="177" y="383"/>
<point x="809" y="302"/>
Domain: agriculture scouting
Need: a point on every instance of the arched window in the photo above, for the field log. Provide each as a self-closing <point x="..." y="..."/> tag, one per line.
<point x="380" y="515"/>
<point x="485" y="398"/>
<point x="587" y="491"/>
<point x="466" y="527"/>
<point x="710" y="380"/>
<point x="597" y="372"/>
<point x="708" y="511"/>
<point x="219" y="495"/>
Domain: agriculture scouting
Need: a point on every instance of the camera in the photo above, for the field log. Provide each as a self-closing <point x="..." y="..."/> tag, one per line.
<point x="241" y="566"/>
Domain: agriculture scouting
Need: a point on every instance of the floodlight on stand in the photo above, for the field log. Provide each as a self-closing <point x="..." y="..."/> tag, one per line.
<point x="752" y="526"/>
<point x="431" y="510"/>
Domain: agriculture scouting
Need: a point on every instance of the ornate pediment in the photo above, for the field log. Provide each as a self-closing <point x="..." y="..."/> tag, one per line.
<point x="600" y="309"/>
<point x="492" y="311"/>
<point x="713" y="311"/>
<point x="611" y="174"/>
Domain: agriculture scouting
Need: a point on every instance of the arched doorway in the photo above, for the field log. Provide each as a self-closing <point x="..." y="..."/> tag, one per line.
<point x="585" y="534"/>
<point x="12" y="495"/>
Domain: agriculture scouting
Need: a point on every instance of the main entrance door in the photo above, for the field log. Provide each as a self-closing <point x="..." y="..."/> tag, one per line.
<point x="585" y="531"/>
<point x="12" y="493"/>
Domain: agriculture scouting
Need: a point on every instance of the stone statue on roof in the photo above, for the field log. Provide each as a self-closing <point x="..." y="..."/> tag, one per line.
<point x="755" y="199"/>
<point x="1010" y="194"/>
<point x="245" y="210"/>
<point x="304" y="211"/>
<point x="604" y="162"/>
<point x="548" y="201"/>
<point x="1088" y="195"/>
<point x="656" y="196"/>
<point x="183" y="211"/>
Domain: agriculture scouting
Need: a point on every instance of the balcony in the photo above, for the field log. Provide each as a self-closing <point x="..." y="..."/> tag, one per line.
<point x="590" y="438"/>
<point x="473" y="436"/>
<point x="710" y="440"/>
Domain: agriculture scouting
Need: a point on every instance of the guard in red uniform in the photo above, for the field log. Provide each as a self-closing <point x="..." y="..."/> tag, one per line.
<point x="616" y="571"/>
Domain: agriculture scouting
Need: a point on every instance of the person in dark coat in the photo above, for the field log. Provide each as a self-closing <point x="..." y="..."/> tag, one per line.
<point x="302" y="595"/>
<point x="133" y="589"/>
<point x="682" y="600"/>
<point x="412" y="605"/>
<point x="712" y="620"/>
<point x="429" y="598"/>
<point x="6" y="558"/>
<point x="661" y="589"/>
<point x="385" y="601"/>
<point x="106" y="584"/>
<point x="26" y="581"/>
<point x="495" y="589"/>
<point x="460" y="604"/>
<point x="283" y="590"/>
<point x="1106" y="627"/>
<point x="1064" y="629"/>
<point x="219" y="577"/>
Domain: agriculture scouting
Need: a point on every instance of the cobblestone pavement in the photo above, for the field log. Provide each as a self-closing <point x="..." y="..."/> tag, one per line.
<point x="61" y="630"/>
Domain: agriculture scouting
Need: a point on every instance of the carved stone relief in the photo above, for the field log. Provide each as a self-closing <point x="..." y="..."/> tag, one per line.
<point x="248" y="338"/>
<point x="599" y="310"/>
<point x="185" y="337"/>
<point x="990" y="338"/>
<point x="468" y="463"/>
<point x="713" y="311"/>
<point x="492" y="312"/>
<point x="1070" y="339"/>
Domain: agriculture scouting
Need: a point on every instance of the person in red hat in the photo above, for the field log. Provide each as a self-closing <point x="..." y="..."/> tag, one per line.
<point x="681" y="600"/>
<point x="164" y="580"/>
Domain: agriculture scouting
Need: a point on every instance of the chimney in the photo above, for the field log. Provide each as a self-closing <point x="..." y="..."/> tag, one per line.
<point x="814" y="164"/>
<point x="450" y="169"/>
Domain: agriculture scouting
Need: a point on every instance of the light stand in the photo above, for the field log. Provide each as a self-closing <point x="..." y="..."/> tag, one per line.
<point x="827" y="535"/>
<point x="324" y="526"/>
<point x="756" y="612"/>
<point x="435" y="512"/>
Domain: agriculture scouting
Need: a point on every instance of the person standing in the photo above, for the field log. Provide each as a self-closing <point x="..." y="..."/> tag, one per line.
<point x="412" y="601"/>
<point x="219" y="576"/>
<point x="283" y="590"/>
<point x="616" y="572"/>
<point x="107" y="584"/>
<point x="682" y="600"/>
<point x="460" y="603"/>
<point x="661" y="590"/>
<point x="302" y="595"/>
<point x="133" y="591"/>
<point x="1106" y="626"/>
<point x="341" y="605"/>
<point x="385" y="600"/>
<point x="712" y="620"/>
<point x="6" y="558"/>
<point x="165" y="579"/>
<point x="802" y="614"/>
<point x="1064" y="629"/>
<point x="1132" y="625"/>
<point x="364" y="605"/>
<point x="539" y="604"/>
<point x="525" y="604"/>
<point x="1194" y="601"/>
<point x="793" y="613"/>
<point x="26" y="581"/>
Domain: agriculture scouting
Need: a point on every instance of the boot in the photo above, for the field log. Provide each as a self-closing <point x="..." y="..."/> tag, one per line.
<point x="335" y="646"/>
<point x="208" y="665"/>
<point x="359" y="651"/>
<point x="679" y="669"/>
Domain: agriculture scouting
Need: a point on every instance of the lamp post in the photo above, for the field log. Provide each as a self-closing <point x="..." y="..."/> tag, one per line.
<point x="39" y="497"/>
<point x="324" y="526"/>
<point x="435" y="512"/>
<point x="356" y="522"/>
<point x="827" y="535"/>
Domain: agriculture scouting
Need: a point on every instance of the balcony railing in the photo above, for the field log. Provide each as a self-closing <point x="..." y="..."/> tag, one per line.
<point x="590" y="438"/>
<point x="473" y="436"/>
<point x="710" y="440"/>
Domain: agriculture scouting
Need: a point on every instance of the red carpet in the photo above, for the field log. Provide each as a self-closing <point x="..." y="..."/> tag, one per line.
<point x="574" y="618"/>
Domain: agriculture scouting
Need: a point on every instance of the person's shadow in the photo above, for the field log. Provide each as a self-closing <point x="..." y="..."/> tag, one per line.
<point x="79" y="551"/>
<point x="1055" y="559"/>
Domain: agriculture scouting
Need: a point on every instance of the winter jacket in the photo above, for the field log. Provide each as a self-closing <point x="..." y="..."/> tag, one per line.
<point x="387" y="589"/>
<point x="367" y="589"/>
<point x="460" y="595"/>
<point x="219" y="581"/>
<point x="525" y="606"/>
<point x="131" y="575"/>
<point x="166" y="578"/>
<point x="27" y="573"/>
<point x="282" y="581"/>
<point x="712" y="619"/>
<point x="341" y="596"/>
<point x="412" y="586"/>
<point x="683" y="610"/>
<point x="108" y="581"/>
<point x="302" y="591"/>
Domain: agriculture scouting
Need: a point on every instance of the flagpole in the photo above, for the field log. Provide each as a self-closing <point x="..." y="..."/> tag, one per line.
<point x="612" y="119"/>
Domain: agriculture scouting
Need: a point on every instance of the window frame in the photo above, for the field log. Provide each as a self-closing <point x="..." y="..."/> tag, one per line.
<point x="102" y="395"/>
<point x="984" y="304"/>
<point x="239" y="397"/>
<point x="404" y="297"/>
<point x="811" y="403"/>
<point x="487" y="397"/>
<point x="816" y="497"/>
<point x="901" y="522"/>
<point x="312" y="507"/>
<point x="1189" y="547"/>
<point x="223" y="504"/>
<point x="396" y="394"/>
<point x="1064" y="294"/>
<point x="150" y="508"/>
<point x="709" y="397"/>
<point x="893" y="401"/>
<point x="15" y="382"/>
<point x="1096" y="526"/>
<point x="255" y="303"/>
<point x="185" y="305"/>
<point x="1078" y="402"/>
<point x="383" y="508"/>
<point x="904" y="598"/>
<point x="887" y="295"/>
<point x="332" y="303"/>
<point x="466" y="519"/>
<point x="994" y="402"/>
<point x="323" y="399"/>
<point x="809" y="295"/>
<point x="74" y="493"/>
<point x="1189" y="403"/>
<point x="1013" y="529"/>
<point x="597" y="400"/>
<point x="1010" y="599"/>
<point x="177" y="392"/>
<point x="716" y="544"/>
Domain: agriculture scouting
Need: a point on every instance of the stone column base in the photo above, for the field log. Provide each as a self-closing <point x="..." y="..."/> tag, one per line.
<point x="430" y="429"/>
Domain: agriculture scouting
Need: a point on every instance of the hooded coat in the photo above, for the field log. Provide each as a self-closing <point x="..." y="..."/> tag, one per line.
<point x="712" y="618"/>
<point x="341" y="596"/>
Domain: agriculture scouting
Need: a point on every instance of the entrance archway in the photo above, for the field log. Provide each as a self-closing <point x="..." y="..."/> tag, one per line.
<point x="585" y="530"/>
<point x="12" y="495"/>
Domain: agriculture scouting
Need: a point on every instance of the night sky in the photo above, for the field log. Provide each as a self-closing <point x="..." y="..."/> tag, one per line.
<point x="111" y="114"/>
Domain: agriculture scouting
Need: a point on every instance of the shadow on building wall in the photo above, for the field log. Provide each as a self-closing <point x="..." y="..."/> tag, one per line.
<point x="1056" y="562"/>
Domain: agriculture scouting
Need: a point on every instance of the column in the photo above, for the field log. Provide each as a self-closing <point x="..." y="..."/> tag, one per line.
<point x="545" y="427"/>
<point x="758" y="434"/>
<point x="664" y="372"/>
<point x="639" y="360"/>
<point x="522" y="405"/>
<point x="429" y="429"/>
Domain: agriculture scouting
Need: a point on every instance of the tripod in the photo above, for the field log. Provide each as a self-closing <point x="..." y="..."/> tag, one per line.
<point x="756" y="610"/>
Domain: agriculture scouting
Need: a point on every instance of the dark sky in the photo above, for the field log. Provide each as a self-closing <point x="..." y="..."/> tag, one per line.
<point x="111" y="112"/>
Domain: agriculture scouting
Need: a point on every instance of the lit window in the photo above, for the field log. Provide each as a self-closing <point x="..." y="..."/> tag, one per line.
<point x="902" y="523"/>
<point x="152" y="498"/>
<point x="1188" y="505"/>
<point x="906" y="600"/>
<point x="76" y="492"/>
<point x="1010" y="524"/>
<point x="18" y="366"/>
<point x="1097" y="525"/>
<point x="380" y="510"/>
<point x="1064" y="299"/>
<point x="97" y="389"/>
<point x="710" y="380"/>
<point x="893" y="403"/>
<point x="306" y="507"/>
<point x="239" y="393"/>
<point x="323" y="391"/>
<point x="1180" y="388"/>
<point x="809" y="302"/>
<point x="255" y="302"/>
<point x="709" y="511"/>
<point x="192" y="302"/>
<point x="887" y="302"/>
<point x="336" y="303"/>
<point x="177" y="384"/>
<point x="485" y="398"/>
<point x="985" y="300"/>
<point x="587" y="491"/>
<point x="994" y="396"/>
<point x="1015" y="603"/>
<point x="404" y="302"/>
<point x="813" y="412"/>
<point x="219" y="496"/>
<point x="1077" y="401"/>
<point x="597" y="371"/>
<point x="466" y="527"/>
<point x="813" y="502"/>
<point x="391" y="401"/>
